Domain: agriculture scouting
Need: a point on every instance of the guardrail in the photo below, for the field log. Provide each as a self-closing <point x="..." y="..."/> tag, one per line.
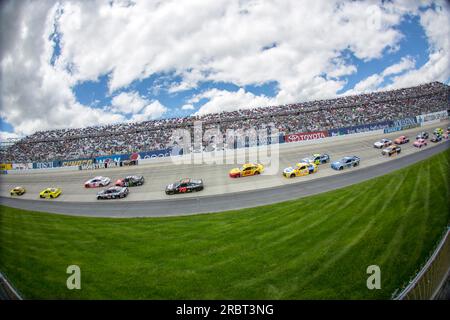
<point x="7" y="291"/>
<point x="428" y="282"/>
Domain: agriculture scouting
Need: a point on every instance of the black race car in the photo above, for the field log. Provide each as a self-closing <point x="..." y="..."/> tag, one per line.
<point x="184" y="186"/>
<point x="436" y="138"/>
<point x="113" y="193"/>
<point x="130" y="181"/>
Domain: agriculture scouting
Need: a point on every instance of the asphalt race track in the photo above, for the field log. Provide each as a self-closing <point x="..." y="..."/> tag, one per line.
<point x="221" y="192"/>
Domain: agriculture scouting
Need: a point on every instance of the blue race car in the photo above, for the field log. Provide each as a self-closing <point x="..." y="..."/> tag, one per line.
<point x="317" y="158"/>
<point x="346" y="162"/>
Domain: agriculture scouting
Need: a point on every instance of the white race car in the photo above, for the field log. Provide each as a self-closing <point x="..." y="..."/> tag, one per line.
<point x="97" y="182"/>
<point x="383" y="143"/>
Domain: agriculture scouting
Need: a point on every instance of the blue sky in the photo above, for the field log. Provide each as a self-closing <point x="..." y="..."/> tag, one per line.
<point x="130" y="64"/>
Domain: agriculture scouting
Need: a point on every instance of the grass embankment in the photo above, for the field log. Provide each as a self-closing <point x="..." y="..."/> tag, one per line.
<point x="317" y="247"/>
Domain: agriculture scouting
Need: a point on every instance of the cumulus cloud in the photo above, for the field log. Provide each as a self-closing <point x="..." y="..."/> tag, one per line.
<point x="223" y="100"/>
<point x="374" y="81"/>
<point x="152" y="111"/>
<point x="187" y="107"/>
<point x="298" y="45"/>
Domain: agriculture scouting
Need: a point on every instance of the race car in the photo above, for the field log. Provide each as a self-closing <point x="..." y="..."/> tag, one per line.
<point x="419" y="143"/>
<point x="436" y="138"/>
<point x="113" y="193"/>
<point x="401" y="140"/>
<point x="18" y="191"/>
<point x="248" y="169"/>
<point x="130" y="181"/>
<point x="382" y="143"/>
<point x="438" y="131"/>
<point x="184" y="186"/>
<point x="97" y="182"/>
<point x="422" y="135"/>
<point x="391" y="150"/>
<point x="317" y="158"/>
<point x="301" y="169"/>
<point x="130" y="162"/>
<point x="448" y="130"/>
<point x="346" y="162"/>
<point x="50" y="193"/>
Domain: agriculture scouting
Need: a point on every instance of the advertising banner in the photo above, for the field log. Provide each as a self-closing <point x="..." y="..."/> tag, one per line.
<point x="112" y="158"/>
<point x="78" y="162"/>
<point x="432" y="116"/>
<point x="404" y="122"/>
<point x="22" y="166"/>
<point x="155" y="154"/>
<point x="295" y="137"/>
<point x="46" y="165"/>
<point x="5" y="166"/>
<point x="400" y="128"/>
<point x="360" y="128"/>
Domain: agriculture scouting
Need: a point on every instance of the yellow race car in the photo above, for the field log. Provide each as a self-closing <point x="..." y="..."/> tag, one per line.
<point x="18" y="191"/>
<point x="50" y="193"/>
<point x="248" y="169"/>
<point x="301" y="169"/>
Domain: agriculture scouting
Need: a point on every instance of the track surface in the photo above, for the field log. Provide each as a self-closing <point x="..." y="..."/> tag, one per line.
<point x="221" y="192"/>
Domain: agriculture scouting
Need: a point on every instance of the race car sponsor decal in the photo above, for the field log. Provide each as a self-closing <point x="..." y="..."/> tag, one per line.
<point x="294" y="137"/>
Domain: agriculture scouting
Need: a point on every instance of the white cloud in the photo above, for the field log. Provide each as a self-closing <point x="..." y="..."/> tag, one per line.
<point x="374" y="82"/>
<point x="406" y="63"/>
<point x="297" y="44"/>
<point x="128" y="102"/>
<point x="223" y="100"/>
<point x="151" y="111"/>
<point x="187" y="107"/>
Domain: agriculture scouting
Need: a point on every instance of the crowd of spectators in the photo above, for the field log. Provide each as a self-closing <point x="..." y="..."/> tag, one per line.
<point x="290" y="118"/>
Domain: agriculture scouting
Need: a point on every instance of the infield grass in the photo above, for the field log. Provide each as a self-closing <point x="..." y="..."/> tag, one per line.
<point x="312" y="248"/>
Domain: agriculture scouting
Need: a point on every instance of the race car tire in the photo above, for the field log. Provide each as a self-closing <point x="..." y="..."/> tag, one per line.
<point x="257" y="172"/>
<point x="341" y="168"/>
<point x="292" y="176"/>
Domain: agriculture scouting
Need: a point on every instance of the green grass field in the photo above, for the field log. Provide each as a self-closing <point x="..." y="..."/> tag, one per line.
<point x="313" y="248"/>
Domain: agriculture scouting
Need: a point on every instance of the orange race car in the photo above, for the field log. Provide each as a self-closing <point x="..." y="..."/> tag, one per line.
<point x="401" y="140"/>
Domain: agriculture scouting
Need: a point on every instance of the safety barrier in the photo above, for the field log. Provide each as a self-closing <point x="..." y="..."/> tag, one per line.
<point x="428" y="282"/>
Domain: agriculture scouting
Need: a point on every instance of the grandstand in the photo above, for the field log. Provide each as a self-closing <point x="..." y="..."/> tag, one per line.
<point x="66" y="144"/>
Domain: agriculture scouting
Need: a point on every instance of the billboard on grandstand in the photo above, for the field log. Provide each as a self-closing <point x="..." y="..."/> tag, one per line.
<point x="22" y="166"/>
<point x="46" y="165"/>
<point x="411" y="121"/>
<point x="134" y="156"/>
<point x="402" y="124"/>
<point x="303" y="136"/>
<point x="78" y="162"/>
<point x="155" y="154"/>
<point x="434" y="116"/>
<point x="5" y="166"/>
<point x="360" y="128"/>
<point x="112" y="158"/>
